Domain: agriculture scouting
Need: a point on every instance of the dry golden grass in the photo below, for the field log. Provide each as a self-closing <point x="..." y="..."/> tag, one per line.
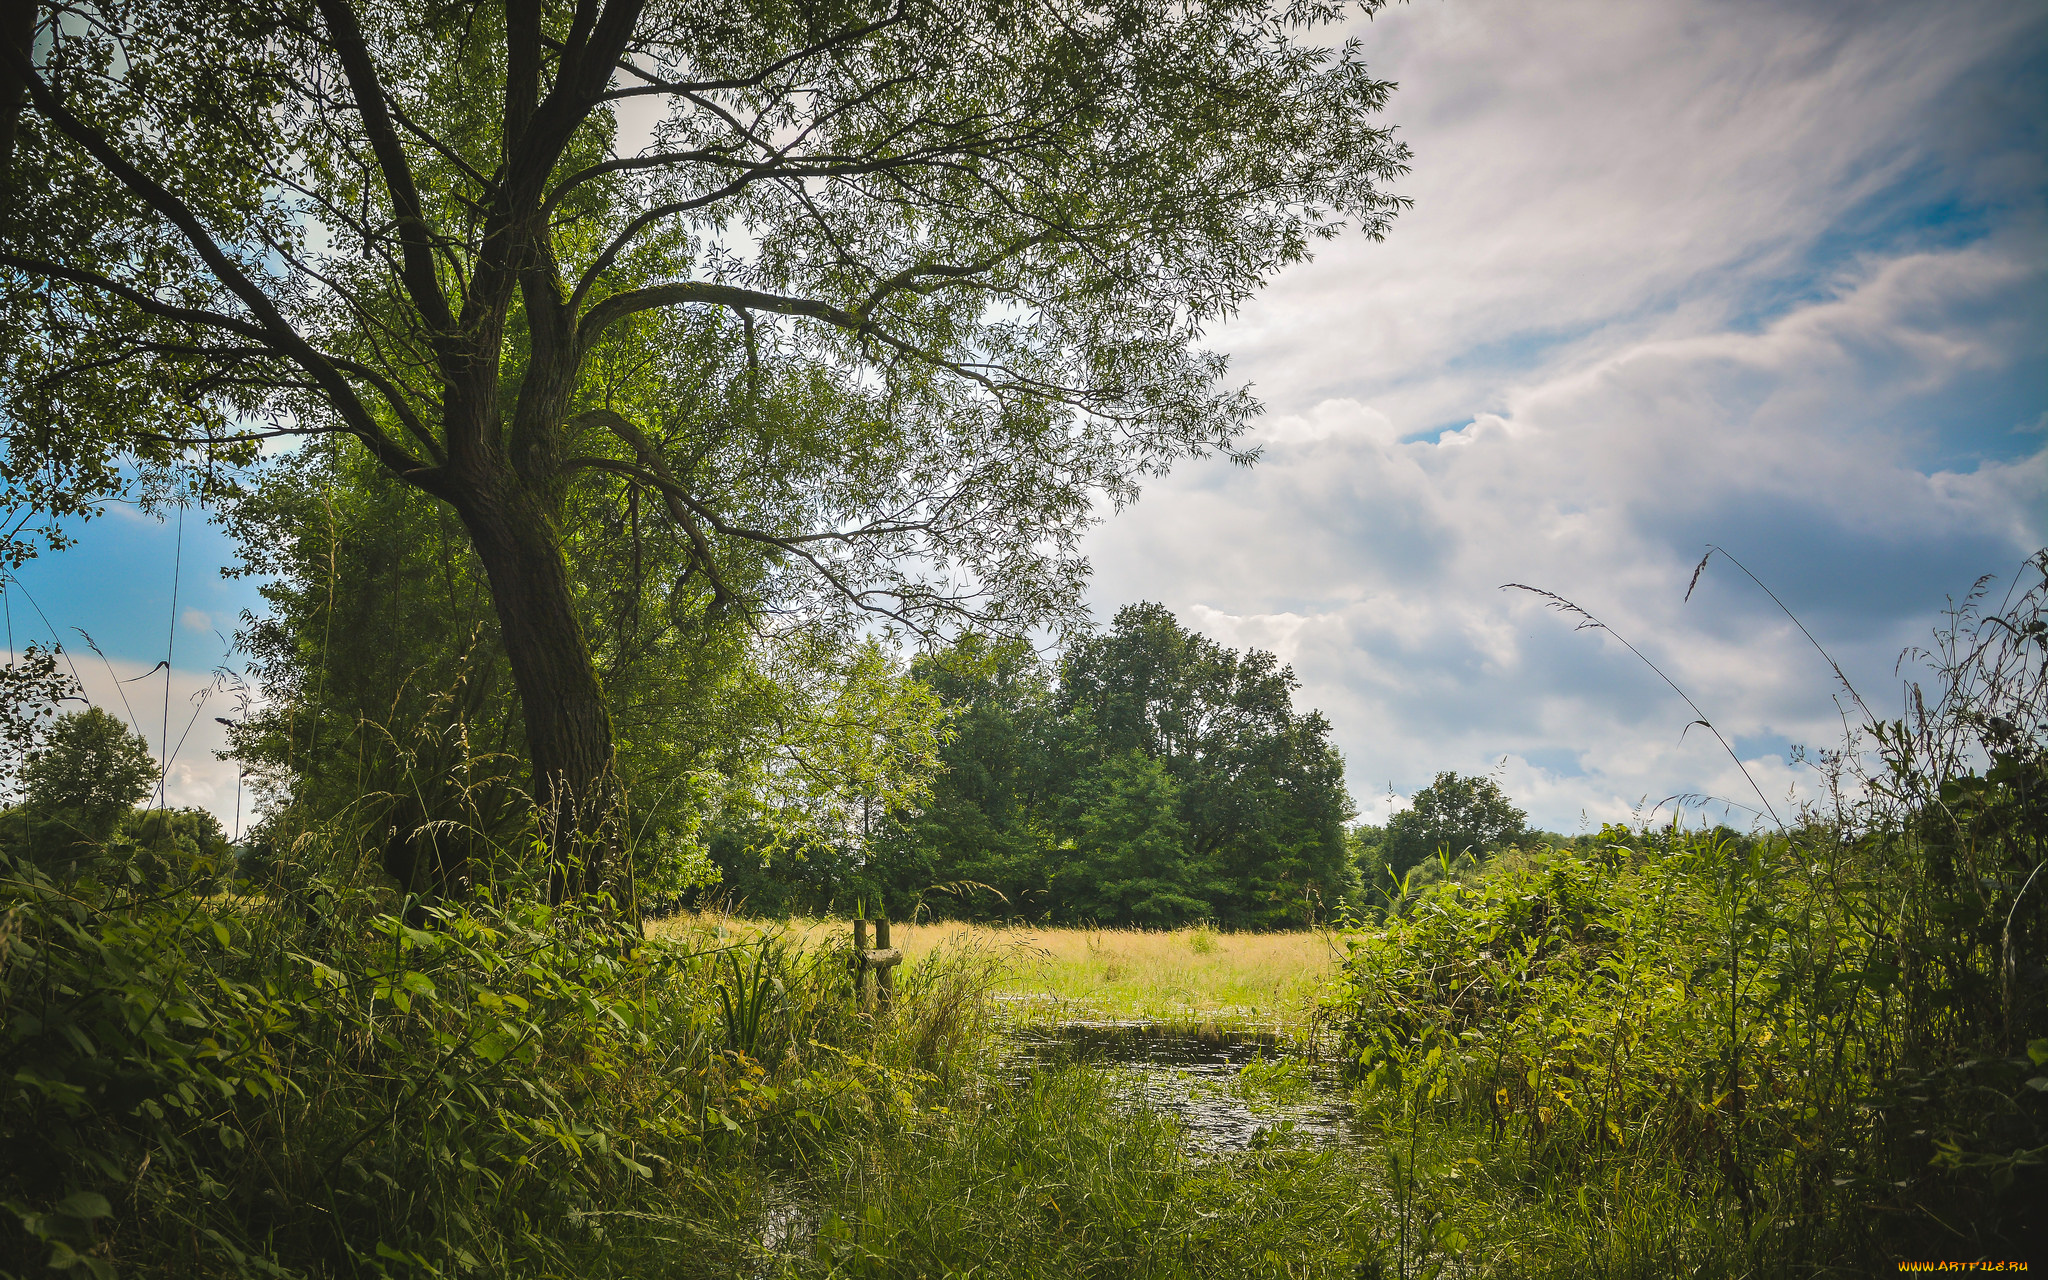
<point x="1266" y="981"/>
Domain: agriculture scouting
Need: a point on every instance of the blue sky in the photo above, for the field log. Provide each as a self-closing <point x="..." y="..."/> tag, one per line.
<point x="1762" y="274"/>
<point x="122" y="583"/>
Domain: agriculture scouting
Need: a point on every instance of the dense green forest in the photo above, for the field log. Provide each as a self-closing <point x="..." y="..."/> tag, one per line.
<point x="1149" y="776"/>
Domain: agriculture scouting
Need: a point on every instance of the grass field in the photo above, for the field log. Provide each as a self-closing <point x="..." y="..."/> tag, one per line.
<point x="1249" y="981"/>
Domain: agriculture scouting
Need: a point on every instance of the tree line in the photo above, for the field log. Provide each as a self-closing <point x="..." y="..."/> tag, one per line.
<point x="1146" y="776"/>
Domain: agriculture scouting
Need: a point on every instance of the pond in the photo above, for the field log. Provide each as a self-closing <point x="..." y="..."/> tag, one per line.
<point x="1230" y="1090"/>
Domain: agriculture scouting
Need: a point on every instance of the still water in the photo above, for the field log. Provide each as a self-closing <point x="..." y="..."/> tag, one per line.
<point x="1229" y="1090"/>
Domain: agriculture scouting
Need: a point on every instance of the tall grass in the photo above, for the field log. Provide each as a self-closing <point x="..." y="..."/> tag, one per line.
<point x="1813" y="1051"/>
<point x="1063" y="1175"/>
<point x="1196" y="975"/>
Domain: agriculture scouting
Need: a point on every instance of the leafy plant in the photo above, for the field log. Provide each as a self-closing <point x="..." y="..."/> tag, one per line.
<point x="747" y="994"/>
<point x="1688" y="1051"/>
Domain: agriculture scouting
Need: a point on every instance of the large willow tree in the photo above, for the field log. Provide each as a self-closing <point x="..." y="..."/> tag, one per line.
<point x="868" y="302"/>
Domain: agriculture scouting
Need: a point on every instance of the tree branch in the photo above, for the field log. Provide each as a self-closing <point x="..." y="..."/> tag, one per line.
<point x="242" y="328"/>
<point x="422" y="279"/>
<point x="907" y="278"/>
<point x="595" y="44"/>
<point x="625" y="164"/>
<point x="140" y="300"/>
<point x="652" y="85"/>
<point x="522" y="67"/>
<point x="18" y="30"/>
<point x="620" y="305"/>
<point x="683" y="505"/>
<point x="653" y="472"/>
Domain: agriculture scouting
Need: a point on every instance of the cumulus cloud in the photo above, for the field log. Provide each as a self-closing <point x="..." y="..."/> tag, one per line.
<point x="1671" y="280"/>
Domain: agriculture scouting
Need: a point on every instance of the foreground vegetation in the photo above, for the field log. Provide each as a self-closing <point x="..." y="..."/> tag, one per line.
<point x="298" y="1083"/>
<point x="1683" y="1055"/>
<point x="1800" y="1053"/>
<point x="1665" y="1056"/>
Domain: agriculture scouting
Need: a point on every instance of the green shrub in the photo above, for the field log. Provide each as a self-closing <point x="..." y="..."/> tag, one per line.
<point x="1679" y="1053"/>
<point x="300" y="1084"/>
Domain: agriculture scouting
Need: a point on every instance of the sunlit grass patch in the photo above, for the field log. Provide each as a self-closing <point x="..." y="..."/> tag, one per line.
<point x="1196" y="975"/>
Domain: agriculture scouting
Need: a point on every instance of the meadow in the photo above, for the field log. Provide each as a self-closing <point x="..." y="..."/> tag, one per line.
<point x="1195" y="976"/>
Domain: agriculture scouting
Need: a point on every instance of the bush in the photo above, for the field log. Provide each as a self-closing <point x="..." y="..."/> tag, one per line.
<point x="1685" y="1038"/>
<point x="200" y="1086"/>
<point x="1707" y="1054"/>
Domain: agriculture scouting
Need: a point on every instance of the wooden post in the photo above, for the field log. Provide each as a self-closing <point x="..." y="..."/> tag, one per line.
<point x="885" y="974"/>
<point x="881" y="962"/>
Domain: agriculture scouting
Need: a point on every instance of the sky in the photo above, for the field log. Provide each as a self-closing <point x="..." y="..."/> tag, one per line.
<point x="1767" y="276"/>
<point x="1761" y="275"/>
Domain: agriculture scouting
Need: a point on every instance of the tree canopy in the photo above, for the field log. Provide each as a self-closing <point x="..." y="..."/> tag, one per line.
<point x="859" y="306"/>
<point x="91" y="770"/>
<point x="1456" y="814"/>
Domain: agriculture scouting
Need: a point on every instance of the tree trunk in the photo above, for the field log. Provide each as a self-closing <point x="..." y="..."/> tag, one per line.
<point x="568" y="728"/>
<point x="18" y="30"/>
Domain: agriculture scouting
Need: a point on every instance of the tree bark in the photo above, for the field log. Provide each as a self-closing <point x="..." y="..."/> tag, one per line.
<point x="568" y="728"/>
<point x="18" y="30"/>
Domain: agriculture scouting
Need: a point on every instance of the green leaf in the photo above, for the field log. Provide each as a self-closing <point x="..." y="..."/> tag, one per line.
<point x="493" y="1046"/>
<point x="86" y="1205"/>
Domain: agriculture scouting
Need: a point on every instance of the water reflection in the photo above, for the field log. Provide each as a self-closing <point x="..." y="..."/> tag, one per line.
<point x="1230" y="1090"/>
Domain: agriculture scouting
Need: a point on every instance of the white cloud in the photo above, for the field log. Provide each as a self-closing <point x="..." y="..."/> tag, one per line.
<point x="1373" y="565"/>
<point x="1609" y="334"/>
<point x="184" y="704"/>
<point x="1586" y="171"/>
